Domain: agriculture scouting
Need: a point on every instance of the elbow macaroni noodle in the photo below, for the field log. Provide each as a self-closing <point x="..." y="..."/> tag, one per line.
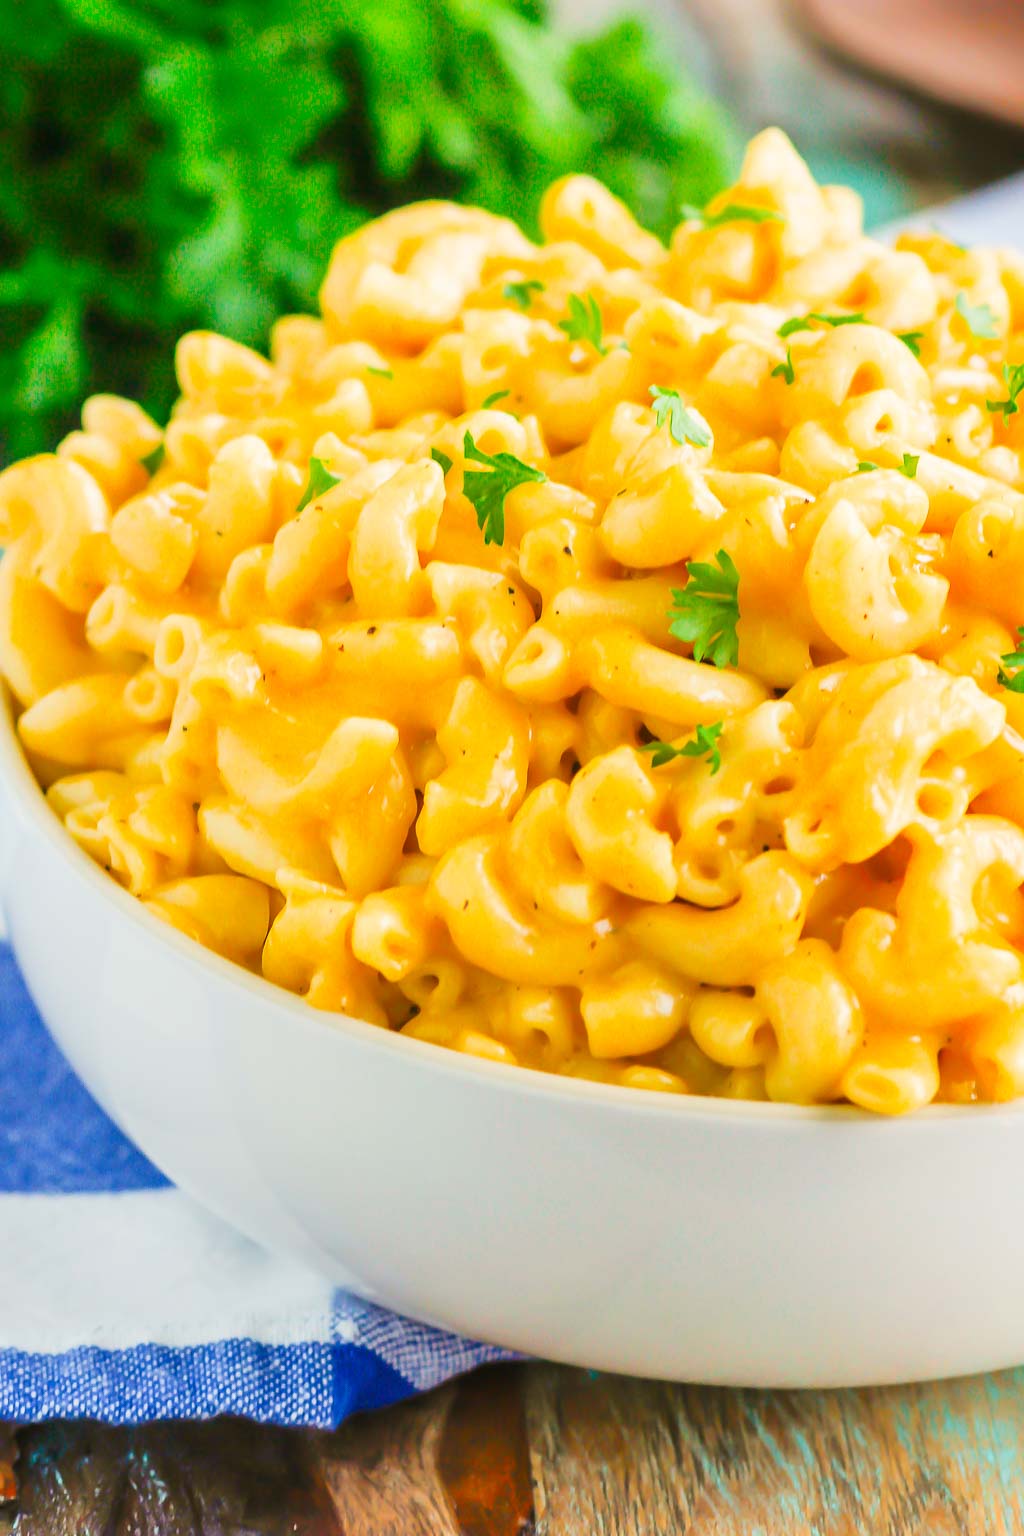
<point x="465" y="776"/>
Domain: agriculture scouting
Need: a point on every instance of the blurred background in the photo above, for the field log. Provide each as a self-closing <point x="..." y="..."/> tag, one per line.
<point x="166" y="164"/>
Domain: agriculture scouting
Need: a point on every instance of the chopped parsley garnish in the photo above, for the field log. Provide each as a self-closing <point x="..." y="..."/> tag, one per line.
<point x="707" y="610"/>
<point x="487" y="488"/>
<point x="732" y="213"/>
<point x="911" y="339"/>
<point x="806" y="322"/>
<point x="786" y="370"/>
<point x="908" y="467"/>
<point x="683" y="425"/>
<point x="499" y="394"/>
<point x="379" y="373"/>
<point x="152" y="461"/>
<point x="522" y="293"/>
<point x="1014" y="379"/>
<point x="704" y="744"/>
<point x="584" y="322"/>
<point x="980" y="320"/>
<point x="1014" y="659"/>
<point x="319" y="483"/>
<point x="442" y="459"/>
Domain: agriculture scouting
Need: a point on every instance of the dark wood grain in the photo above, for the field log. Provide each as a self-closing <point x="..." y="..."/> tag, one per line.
<point x="382" y="1478"/>
<point x="542" y="1450"/>
<point x="8" y="1461"/>
<point x="86" y="1479"/>
<point x="485" y="1459"/>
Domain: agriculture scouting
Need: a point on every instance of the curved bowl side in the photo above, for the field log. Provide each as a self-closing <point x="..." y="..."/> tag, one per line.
<point x="738" y="1244"/>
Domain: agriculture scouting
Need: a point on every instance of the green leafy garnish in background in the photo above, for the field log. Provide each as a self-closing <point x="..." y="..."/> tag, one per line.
<point x="704" y="744"/>
<point x="707" y="610"/>
<point x="911" y="339"/>
<point x="167" y="164"/>
<point x="865" y="466"/>
<point x="319" y="483"/>
<point x="522" y="293"/>
<point x="583" y="322"/>
<point x="683" y="425"/>
<point x="487" y="488"/>
<point x="732" y="213"/>
<point x="492" y="400"/>
<point x="1014" y="659"/>
<point x="379" y="373"/>
<point x="151" y="461"/>
<point x="442" y="459"/>
<point x="979" y="319"/>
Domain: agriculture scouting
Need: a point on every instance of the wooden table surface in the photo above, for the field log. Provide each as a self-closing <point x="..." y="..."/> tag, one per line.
<point x="541" y="1450"/>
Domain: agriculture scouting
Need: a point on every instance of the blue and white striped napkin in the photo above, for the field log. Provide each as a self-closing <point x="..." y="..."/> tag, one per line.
<point x="122" y="1300"/>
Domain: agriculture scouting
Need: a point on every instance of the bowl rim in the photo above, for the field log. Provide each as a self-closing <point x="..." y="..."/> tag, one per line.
<point x="26" y="796"/>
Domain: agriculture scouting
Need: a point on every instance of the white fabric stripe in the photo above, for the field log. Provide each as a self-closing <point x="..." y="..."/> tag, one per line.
<point x="145" y="1268"/>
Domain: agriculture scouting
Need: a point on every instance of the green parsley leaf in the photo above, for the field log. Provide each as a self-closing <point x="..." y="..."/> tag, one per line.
<point x="487" y="488"/>
<point x="707" y="610"/>
<point x="683" y="425"/>
<point x="732" y="213"/>
<point x="319" y="483"/>
<point x="786" y="370"/>
<point x="1013" y="659"/>
<point x="798" y="323"/>
<point x="499" y="394"/>
<point x="379" y="373"/>
<point x="909" y="465"/>
<point x="584" y="322"/>
<point x="865" y="466"/>
<point x="705" y="744"/>
<point x="152" y="461"/>
<point x="522" y="293"/>
<point x="806" y="322"/>
<point x="911" y="339"/>
<point x="980" y="320"/>
<point x="1014" y="378"/>
<point x="442" y="459"/>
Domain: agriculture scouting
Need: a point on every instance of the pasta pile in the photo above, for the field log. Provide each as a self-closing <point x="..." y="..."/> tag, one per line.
<point x="592" y="656"/>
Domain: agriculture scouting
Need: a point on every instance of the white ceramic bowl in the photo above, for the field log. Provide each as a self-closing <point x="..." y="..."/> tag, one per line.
<point x="683" y="1238"/>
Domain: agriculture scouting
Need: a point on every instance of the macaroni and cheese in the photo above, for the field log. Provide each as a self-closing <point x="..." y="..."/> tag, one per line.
<point x="592" y="655"/>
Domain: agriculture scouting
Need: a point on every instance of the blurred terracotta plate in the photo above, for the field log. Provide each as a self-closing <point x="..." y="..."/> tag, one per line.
<point x="967" y="52"/>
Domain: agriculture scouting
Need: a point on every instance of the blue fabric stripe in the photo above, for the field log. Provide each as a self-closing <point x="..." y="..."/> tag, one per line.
<point x="54" y="1138"/>
<point x="297" y="1384"/>
<point x="362" y="1380"/>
